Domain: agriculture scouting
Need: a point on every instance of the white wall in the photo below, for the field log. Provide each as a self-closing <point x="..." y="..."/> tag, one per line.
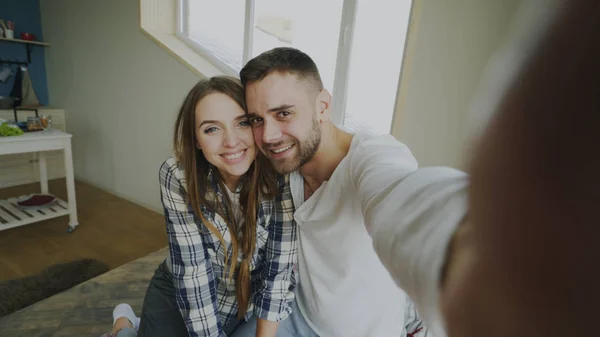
<point x="448" y="45"/>
<point x="120" y="90"/>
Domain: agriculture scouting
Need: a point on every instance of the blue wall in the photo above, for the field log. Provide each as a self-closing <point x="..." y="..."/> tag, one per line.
<point x="26" y="14"/>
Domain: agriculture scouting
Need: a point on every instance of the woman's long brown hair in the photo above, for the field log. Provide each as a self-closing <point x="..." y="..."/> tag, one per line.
<point x="258" y="183"/>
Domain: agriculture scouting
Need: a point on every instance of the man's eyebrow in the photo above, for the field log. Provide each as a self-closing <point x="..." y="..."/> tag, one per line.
<point x="281" y="107"/>
<point x="275" y="109"/>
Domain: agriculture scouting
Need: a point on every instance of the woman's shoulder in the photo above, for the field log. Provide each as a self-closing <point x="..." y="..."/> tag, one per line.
<point x="171" y="172"/>
<point x="278" y="203"/>
<point x="169" y="165"/>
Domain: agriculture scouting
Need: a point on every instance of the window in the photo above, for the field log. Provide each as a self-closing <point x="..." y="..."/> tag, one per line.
<point x="357" y="45"/>
<point x="375" y="62"/>
<point x="216" y="30"/>
<point x="293" y="23"/>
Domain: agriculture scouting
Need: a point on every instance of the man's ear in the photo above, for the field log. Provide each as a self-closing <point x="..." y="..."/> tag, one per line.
<point x="324" y="106"/>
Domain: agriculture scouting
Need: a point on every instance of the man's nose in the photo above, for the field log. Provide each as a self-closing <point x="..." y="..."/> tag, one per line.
<point x="271" y="131"/>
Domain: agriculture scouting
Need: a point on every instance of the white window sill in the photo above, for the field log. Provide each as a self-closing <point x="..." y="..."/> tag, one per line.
<point x="158" y="21"/>
<point x="184" y="53"/>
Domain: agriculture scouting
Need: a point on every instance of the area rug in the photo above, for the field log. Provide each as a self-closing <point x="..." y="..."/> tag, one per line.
<point x="20" y="293"/>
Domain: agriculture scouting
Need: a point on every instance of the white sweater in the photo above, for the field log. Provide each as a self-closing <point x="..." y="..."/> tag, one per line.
<point x="377" y="211"/>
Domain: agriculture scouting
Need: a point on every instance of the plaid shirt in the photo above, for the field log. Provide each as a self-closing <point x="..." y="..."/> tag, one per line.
<point x="205" y="297"/>
<point x="414" y="325"/>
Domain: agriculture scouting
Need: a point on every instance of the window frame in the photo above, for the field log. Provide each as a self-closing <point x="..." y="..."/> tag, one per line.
<point x="183" y="8"/>
<point x="344" y="52"/>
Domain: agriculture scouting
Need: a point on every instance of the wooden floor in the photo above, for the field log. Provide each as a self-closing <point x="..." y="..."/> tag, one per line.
<point x="112" y="230"/>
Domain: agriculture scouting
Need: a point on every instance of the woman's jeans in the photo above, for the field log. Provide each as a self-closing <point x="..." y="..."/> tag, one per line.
<point x="161" y="317"/>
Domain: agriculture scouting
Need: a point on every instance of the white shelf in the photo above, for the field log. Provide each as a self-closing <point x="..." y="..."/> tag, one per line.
<point x="37" y="43"/>
<point x="11" y="216"/>
<point x="41" y="142"/>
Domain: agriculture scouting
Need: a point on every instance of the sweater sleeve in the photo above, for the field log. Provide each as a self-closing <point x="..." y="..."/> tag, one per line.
<point x="411" y="215"/>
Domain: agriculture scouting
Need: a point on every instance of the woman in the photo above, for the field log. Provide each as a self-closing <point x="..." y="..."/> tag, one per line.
<point x="232" y="240"/>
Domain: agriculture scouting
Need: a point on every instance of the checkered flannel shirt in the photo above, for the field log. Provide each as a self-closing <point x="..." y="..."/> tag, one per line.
<point x="205" y="296"/>
<point x="414" y="325"/>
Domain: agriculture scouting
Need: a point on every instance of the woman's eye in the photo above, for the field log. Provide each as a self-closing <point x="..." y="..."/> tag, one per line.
<point x="210" y="129"/>
<point x="245" y="122"/>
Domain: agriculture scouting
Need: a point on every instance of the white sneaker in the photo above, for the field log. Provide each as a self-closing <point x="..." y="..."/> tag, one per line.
<point x="125" y="310"/>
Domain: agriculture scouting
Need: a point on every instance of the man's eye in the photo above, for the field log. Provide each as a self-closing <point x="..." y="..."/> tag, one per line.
<point x="256" y="120"/>
<point x="284" y="113"/>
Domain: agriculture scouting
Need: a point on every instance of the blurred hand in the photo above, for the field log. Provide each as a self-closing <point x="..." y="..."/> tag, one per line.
<point x="525" y="261"/>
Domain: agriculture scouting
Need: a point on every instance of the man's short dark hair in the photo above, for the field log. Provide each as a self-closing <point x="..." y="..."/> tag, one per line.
<point x="283" y="60"/>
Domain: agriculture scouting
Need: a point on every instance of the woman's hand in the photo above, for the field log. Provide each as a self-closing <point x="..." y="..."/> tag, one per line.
<point x="266" y="328"/>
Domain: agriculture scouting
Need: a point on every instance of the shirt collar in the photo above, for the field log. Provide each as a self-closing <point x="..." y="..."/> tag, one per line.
<point x="214" y="182"/>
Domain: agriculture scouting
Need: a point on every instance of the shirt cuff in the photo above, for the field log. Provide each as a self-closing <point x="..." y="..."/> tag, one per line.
<point x="274" y="311"/>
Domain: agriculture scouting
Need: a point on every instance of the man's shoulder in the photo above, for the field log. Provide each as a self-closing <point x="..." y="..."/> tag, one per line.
<point x="366" y="138"/>
<point x="378" y="145"/>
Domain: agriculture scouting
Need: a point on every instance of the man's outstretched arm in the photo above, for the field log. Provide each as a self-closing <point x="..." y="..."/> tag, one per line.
<point x="522" y="261"/>
<point x="518" y="257"/>
<point x="524" y="264"/>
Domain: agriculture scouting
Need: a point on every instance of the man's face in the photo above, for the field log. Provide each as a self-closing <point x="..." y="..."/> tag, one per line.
<point x="285" y="113"/>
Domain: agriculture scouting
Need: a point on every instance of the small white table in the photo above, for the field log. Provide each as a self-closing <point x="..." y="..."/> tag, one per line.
<point x="40" y="141"/>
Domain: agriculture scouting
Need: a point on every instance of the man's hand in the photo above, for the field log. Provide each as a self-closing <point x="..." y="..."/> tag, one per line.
<point x="525" y="262"/>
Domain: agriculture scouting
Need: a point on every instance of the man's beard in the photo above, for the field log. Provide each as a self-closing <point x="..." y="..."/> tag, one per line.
<point x="306" y="150"/>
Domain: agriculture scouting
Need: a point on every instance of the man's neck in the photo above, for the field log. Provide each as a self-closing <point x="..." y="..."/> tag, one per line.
<point x="334" y="146"/>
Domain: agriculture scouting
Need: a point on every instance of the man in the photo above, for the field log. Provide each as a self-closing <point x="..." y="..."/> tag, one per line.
<point x="337" y="182"/>
<point x="522" y="263"/>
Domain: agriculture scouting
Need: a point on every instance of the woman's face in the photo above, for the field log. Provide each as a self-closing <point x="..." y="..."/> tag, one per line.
<point x="224" y="135"/>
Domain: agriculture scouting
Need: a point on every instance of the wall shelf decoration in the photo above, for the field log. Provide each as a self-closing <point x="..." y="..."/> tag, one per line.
<point x="28" y="46"/>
